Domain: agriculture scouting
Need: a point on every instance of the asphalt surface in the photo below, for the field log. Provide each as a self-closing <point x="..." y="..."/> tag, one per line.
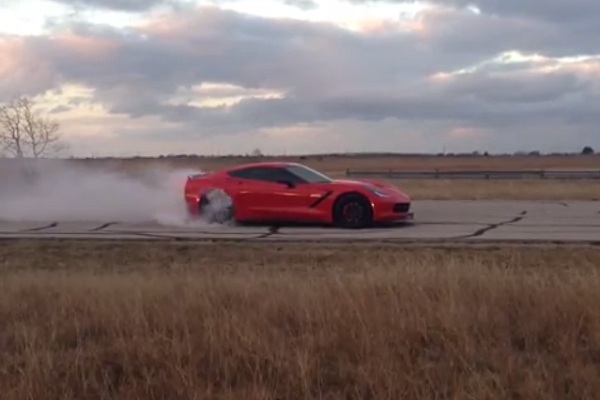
<point x="436" y="221"/>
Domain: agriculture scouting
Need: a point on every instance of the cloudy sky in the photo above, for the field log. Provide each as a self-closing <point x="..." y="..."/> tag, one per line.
<point x="147" y="77"/>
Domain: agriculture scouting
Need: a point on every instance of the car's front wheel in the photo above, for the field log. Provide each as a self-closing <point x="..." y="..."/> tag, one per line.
<point x="352" y="211"/>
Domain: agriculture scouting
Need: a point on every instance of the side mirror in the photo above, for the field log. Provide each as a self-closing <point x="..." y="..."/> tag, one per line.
<point x="289" y="184"/>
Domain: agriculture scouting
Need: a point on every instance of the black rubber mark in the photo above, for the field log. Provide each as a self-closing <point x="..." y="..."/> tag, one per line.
<point x="450" y="223"/>
<point x="273" y="230"/>
<point x="103" y="226"/>
<point x="156" y="236"/>
<point x="490" y="227"/>
<point x="564" y="204"/>
<point x="41" y="228"/>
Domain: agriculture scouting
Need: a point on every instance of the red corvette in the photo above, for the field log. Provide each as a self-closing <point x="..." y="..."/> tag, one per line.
<point x="290" y="192"/>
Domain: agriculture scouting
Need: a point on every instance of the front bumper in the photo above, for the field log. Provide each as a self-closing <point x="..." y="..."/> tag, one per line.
<point x="393" y="210"/>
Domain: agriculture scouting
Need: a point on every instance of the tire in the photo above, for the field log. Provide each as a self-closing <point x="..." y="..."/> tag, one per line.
<point x="215" y="206"/>
<point x="352" y="211"/>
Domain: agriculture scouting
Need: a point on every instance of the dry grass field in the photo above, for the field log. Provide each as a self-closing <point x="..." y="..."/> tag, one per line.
<point x="239" y="321"/>
<point x="422" y="189"/>
<point x="448" y="189"/>
<point x="338" y="164"/>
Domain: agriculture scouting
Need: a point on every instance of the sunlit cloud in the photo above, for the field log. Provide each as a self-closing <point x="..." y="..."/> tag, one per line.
<point x="215" y="95"/>
<point x="516" y="61"/>
<point x="36" y="17"/>
<point x="342" y="13"/>
<point x="466" y="132"/>
<point x="303" y="75"/>
<point x="28" y="17"/>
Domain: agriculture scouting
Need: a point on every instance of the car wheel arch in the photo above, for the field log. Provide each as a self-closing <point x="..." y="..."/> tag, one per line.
<point x="348" y="194"/>
<point x="342" y="195"/>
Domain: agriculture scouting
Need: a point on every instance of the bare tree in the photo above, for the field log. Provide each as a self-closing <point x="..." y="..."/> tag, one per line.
<point x="25" y="134"/>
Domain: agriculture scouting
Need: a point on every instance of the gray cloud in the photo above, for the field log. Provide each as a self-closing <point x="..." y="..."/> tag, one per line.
<point x="119" y="5"/>
<point x="60" y="109"/>
<point x="328" y="74"/>
<point x="519" y="87"/>
<point x="554" y="27"/>
<point x="302" y="4"/>
<point x="550" y="10"/>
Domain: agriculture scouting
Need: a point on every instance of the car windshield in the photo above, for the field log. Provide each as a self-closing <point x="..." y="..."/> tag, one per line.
<point x="308" y="174"/>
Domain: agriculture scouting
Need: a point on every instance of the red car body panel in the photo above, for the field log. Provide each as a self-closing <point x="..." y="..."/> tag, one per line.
<point x="258" y="200"/>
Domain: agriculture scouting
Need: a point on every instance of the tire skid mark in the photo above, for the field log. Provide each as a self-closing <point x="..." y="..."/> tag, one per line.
<point x="273" y="230"/>
<point x="490" y="227"/>
<point x="103" y="226"/>
<point x="195" y="239"/>
<point x="41" y="228"/>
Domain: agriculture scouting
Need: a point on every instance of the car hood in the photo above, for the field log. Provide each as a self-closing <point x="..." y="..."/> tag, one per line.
<point x="369" y="183"/>
<point x="362" y="182"/>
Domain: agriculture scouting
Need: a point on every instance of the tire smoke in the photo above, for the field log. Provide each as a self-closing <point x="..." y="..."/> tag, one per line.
<point x="60" y="190"/>
<point x="217" y="207"/>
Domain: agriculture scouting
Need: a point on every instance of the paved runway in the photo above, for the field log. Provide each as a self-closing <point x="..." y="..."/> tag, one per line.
<point x="438" y="221"/>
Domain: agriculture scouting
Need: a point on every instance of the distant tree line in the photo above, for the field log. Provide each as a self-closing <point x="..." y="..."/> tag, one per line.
<point x="587" y="150"/>
<point x="24" y="133"/>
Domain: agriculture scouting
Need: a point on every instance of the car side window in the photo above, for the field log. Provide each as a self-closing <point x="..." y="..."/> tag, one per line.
<point x="266" y="174"/>
<point x="247" y="173"/>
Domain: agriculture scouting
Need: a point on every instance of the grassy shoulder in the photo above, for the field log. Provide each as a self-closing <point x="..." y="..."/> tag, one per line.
<point x="448" y="189"/>
<point x="335" y="164"/>
<point x="225" y="321"/>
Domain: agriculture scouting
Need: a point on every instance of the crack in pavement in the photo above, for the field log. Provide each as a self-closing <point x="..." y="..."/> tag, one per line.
<point x="103" y="226"/>
<point x="391" y="241"/>
<point x="273" y="230"/>
<point x="195" y="239"/>
<point x="490" y="227"/>
<point x="41" y="228"/>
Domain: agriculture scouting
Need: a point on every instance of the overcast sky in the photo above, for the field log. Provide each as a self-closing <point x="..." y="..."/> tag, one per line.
<point x="148" y="77"/>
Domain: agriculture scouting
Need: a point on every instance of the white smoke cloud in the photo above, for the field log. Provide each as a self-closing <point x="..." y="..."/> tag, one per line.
<point x="57" y="190"/>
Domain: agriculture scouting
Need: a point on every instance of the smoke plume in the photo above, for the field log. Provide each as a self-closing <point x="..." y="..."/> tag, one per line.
<point x="59" y="190"/>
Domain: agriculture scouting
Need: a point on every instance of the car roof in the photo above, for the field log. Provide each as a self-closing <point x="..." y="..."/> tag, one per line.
<point x="271" y="164"/>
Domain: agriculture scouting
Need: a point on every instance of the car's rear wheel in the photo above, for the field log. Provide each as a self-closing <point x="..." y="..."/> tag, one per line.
<point x="352" y="211"/>
<point x="215" y="206"/>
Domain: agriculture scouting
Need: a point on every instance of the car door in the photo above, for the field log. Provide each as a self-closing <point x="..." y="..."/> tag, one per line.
<point x="278" y="201"/>
<point x="301" y="201"/>
<point x="262" y="195"/>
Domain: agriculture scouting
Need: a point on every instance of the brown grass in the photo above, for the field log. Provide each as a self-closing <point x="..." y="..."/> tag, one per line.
<point x="191" y="321"/>
<point x="422" y="189"/>
<point x="336" y="164"/>
<point x="448" y="189"/>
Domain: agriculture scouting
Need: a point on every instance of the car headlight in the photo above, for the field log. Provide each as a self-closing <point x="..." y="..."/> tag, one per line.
<point x="379" y="192"/>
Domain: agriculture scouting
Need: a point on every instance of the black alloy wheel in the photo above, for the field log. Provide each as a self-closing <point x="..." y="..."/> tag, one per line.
<point x="352" y="211"/>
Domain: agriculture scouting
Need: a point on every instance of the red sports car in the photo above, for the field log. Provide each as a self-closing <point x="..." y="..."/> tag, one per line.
<point x="280" y="192"/>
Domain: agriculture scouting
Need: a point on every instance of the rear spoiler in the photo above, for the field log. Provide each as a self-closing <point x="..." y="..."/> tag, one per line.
<point x="196" y="176"/>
